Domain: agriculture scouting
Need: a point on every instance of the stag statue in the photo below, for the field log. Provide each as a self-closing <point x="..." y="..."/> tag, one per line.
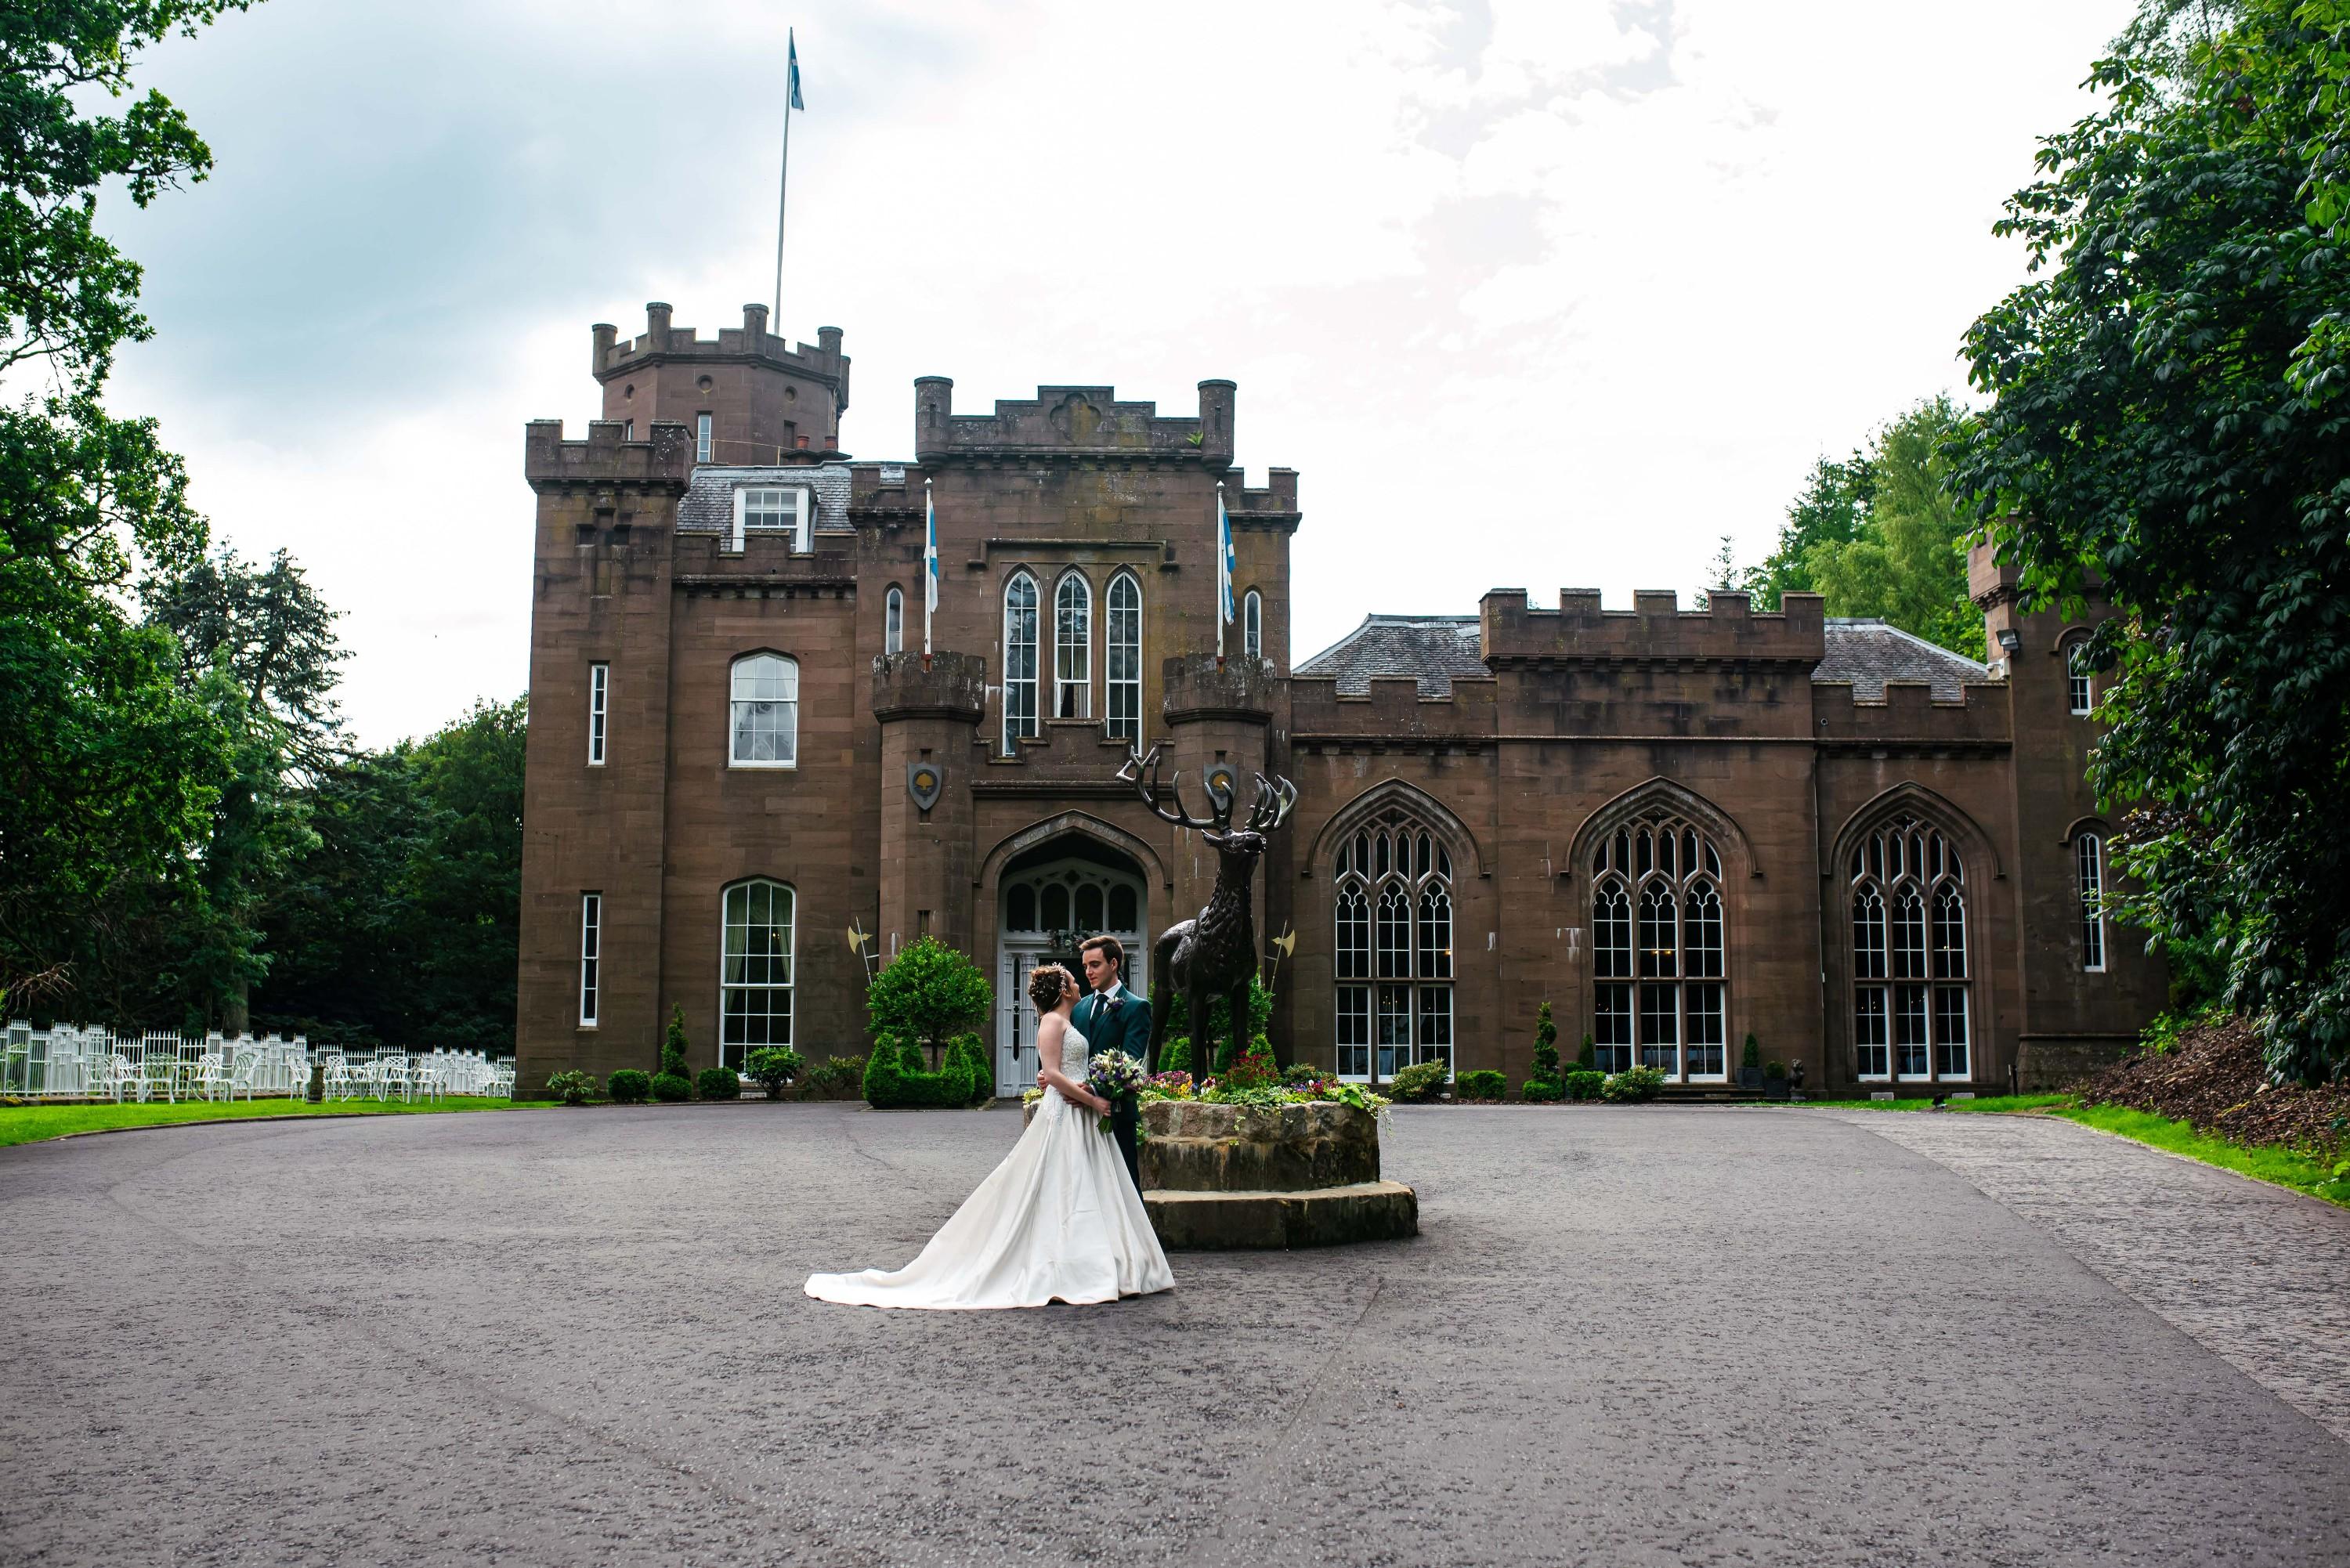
<point x="1214" y="953"/>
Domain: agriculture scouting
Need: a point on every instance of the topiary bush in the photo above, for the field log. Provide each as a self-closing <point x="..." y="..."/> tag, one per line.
<point x="1546" y="1064"/>
<point x="1419" y="1083"/>
<point x="927" y="995"/>
<point x="628" y="1088"/>
<point x="674" y="1045"/>
<point x="1584" y="1084"/>
<point x="1633" y="1084"/>
<point x="719" y="1084"/>
<point x="895" y="1079"/>
<point x="1753" y="1055"/>
<point x="1485" y="1085"/>
<point x="671" y="1087"/>
<point x="835" y="1077"/>
<point x="773" y="1068"/>
<point x="1588" y="1057"/>
<point x="1537" y="1092"/>
<point x="573" y="1088"/>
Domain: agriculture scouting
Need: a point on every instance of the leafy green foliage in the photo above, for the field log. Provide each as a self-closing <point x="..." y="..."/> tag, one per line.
<point x="1585" y="1084"/>
<point x="1542" y="1091"/>
<point x="834" y="1076"/>
<point x="573" y="1087"/>
<point x="1179" y="1016"/>
<point x="896" y="1078"/>
<point x="2169" y="417"/>
<point x="1546" y="1064"/>
<point x="627" y="1087"/>
<point x="1255" y="1069"/>
<point x="1419" y="1083"/>
<point x="1305" y="1073"/>
<point x="1586" y="1058"/>
<point x="1752" y="1056"/>
<point x="1632" y="1086"/>
<point x="674" y="1043"/>
<point x="1484" y="1084"/>
<point x="773" y="1068"/>
<point x="928" y="993"/>
<point x="670" y="1088"/>
<point x="718" y="1083"/>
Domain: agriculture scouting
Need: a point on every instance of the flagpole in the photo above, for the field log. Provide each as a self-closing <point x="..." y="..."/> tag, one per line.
<point x="783" y="185"/>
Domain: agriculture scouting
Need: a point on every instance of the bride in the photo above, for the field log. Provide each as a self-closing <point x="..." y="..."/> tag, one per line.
<point x="1057" y="1221"/>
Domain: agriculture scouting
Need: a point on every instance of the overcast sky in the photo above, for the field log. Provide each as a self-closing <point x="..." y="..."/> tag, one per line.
<point x="1534" y="293"/>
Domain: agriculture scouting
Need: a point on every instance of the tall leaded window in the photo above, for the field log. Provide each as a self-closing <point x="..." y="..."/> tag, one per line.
<point x="754" y="983"/>
<point x="893" y="621"/>
<point x="1122" y="660"/>
<point x="1019" y="660"/>
<point x="591" y="956"/>
<point x="764" y="712"/>
<point x="2077" y="675"/>
<point x="1073" y="649"/>
<point x="1393" y="905"/>
<point x="1253" y="625"/>
<point x="701" y="438"/>
<point x="1911" y="1008"/>
<point x="599" y="709"/>
<point x="1658" y="957"/>
<point x="2089" y="869"/>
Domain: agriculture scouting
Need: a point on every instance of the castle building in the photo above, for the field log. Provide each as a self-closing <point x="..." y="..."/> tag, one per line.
<point x="1678" y="826"/>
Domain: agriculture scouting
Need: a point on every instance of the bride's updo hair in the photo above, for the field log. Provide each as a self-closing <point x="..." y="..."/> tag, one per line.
<point x="1046" y="984"/>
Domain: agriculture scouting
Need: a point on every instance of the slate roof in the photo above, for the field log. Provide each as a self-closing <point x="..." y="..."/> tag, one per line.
<point x="1869" y="653"/>
<point x="707" y="504"/>
<point x="1435" y="647"/>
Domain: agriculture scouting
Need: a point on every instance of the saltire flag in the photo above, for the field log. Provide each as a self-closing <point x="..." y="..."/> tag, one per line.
<point x="929" y="563"/>
<point x="1226" y="565"/>
<point x="792" y="59"/>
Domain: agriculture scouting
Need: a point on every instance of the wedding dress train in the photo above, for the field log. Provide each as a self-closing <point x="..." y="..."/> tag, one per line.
<point x="1057" y="1221"/>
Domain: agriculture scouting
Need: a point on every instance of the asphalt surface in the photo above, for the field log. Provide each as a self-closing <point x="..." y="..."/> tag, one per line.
<point x="1625" y="1337"/>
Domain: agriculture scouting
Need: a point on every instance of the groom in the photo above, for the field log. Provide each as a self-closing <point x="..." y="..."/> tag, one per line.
<point x="1114" y="1019"/>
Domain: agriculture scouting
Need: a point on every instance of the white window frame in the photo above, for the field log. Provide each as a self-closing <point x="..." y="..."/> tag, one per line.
<point x="2080" y="697"/>
<point x="1021" y="691"/>
<point x="1122" y="661"/>
<point x="1073" y="692"/>
<point x="1907" y="857"/>
<point x="1395" y="987"/>
<point x="599" y="707"/>
<point x="591" y="957"/>
<point x="2089" y="871"/>
<point x="789" y="703"/>
<point x="732" y="1052"/>
<point x="1253" y="624"/>
<point x="701" y="442"/>
<point x="790" y="505"/>
<point x="893" y="621"/>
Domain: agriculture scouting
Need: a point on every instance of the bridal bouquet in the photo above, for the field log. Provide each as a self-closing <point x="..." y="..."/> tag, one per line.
<point x="1115" y="1076"/>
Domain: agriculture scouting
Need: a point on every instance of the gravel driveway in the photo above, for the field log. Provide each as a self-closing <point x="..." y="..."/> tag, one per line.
<point x="1625" y="1337"/>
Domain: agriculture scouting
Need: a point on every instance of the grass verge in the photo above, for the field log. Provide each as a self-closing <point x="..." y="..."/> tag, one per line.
<point x="33" y="1124"/>
<point x="2284" y="1167"/>
<point x="1989" y="1103"/>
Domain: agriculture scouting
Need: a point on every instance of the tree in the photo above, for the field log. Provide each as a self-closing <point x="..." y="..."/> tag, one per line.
<point x="1830" y="511"/>
<point x="928" y="995"/>
<point x="2168" y="416"/>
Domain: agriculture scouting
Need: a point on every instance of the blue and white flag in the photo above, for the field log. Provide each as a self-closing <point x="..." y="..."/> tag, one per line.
<point x="929" y="563"/>
<point x="1226" y="565"/>
<point x="792" y="59"/>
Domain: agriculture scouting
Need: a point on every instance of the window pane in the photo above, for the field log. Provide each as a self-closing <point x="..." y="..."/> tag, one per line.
<point x="1949" y="935"/>
<point x="1611" y="933"/>
<point x="1123" y="914"/>
<point x="755" y="984"/>
<point x="1073" y="649"/>
<point x="1395" y="934"/>
<point x="1909" y="936"/>
<point x="1909" y="1031"/>
<point x="1659" y="955"/>
<point x="1395" y="1029"/>
<point x="1611" y="1027"/>
<point x="1950" y="1032"/>
<point x="1705" y="1058"/>
<point x="1869" y="935"/>
<point x="1020" y="908"/>
<point x="766" y="720"/>
<point x="2091" y="873"/>
<point x="1056" y="907"/>
<point x="1435" y="934"/>
<point x="1089" y="909"/>
<point x="1123" y="660"/>
<point x="1871" y="1032"/>
<point x="1354" y="1030"/>
<point x="1019" y="660"/>
<point x="893" y="623"/>
<point x="1435" y="1026"/>
<point x="1703" y="933"/>
<point x="1661" y="1029"/>
<point x="1354" y="935"/>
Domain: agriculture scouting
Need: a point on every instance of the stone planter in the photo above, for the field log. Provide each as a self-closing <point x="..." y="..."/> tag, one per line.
<point x="1749" y="1078"/>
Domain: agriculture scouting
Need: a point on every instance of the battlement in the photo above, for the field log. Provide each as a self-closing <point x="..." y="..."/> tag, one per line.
<point x="951" y="686"/>
<point x="1655" y="628"/>
<point x="1073" y="422"/>
<point x="1393" y="710"/>
<point x="550" y="462"/>
<point x="1910" y="715"/>
<point x="749" y="343"/>
<point x="1198" y="686"/>
<point x="1276" y="503"/>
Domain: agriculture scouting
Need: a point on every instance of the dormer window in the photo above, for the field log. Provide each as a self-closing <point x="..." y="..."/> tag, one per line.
<point x="775" y="509"/>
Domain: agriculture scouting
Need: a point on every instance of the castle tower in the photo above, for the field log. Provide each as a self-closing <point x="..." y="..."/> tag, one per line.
<point x="749" y="398"/>
<point x="927" y="714"/>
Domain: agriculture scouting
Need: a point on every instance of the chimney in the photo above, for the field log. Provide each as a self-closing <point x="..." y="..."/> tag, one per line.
<point x="606" y="336"/>
<point x="657" y="324"/>
<point x="755" y="326"/>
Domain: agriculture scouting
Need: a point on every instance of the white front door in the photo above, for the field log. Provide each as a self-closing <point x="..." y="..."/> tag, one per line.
<point x="1015" y="1035"/>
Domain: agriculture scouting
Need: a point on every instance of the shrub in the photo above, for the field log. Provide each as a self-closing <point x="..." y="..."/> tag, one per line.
<point x="927" y="995"/>
<point x="1774" y="1069"/>
<point x="772" y="1067"/>
<point x="573" y="1088"/>
<point x="628" y="1088"/>
<point x="1305" y="1073"/>
<point x="1540" y="1092"/>
<point x="1486" y="1084"/>
<point x="1585" y="1084"/>
<point x="1588" y="1057"/>
<point x="1545" y="1067"/>
<point x="1753" y="1055"/>
<point x="835" y="1076"/>
<point x="1633" y="1084"/>
<point x="896" y="1078"/>
<point x="1419" y="1084"/>
<point x="718" y="1083"/>
<point x="1255" y="1070"/>
<point x="671" y="1087"/>
<point x="674" y="1046"/>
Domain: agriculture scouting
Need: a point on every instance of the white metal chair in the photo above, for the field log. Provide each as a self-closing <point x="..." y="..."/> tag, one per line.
<point x="210" y="1076"/>
<point x="114" y="1074"/>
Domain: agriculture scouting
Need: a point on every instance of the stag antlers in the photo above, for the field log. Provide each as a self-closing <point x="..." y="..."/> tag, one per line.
<point x="1268" y="811"/>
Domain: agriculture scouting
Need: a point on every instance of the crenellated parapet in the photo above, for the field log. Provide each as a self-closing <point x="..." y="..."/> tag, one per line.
<point x="661" y="464"/>
<point x="1393" y="711"/>
<point x="1274" y="506"/>
<point x="1200" y="686"/>
<point x="951" y="686"/>
<point x="1909" y="718"/>
<point x="1073" y="423"/>
<point x="749" y="343"/>
<point x="1655" y="630"/>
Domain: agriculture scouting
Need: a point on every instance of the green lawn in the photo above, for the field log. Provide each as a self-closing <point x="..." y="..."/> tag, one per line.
<point x="31" y="1124"/>
<point x="2281" y="1166"/>
<point x="1989" y="1103"/>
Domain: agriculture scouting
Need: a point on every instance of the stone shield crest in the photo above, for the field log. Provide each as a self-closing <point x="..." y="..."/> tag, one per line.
<point x="925" y="782"/>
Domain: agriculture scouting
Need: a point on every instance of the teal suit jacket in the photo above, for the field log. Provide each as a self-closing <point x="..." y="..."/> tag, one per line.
<point x="1124" y="1026"/>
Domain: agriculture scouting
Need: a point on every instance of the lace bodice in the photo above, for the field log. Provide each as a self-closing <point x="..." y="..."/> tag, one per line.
<point x="1074" y="1052"/>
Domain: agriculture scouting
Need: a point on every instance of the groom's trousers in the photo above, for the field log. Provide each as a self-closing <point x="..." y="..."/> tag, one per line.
<point x="1122" y="1128"/>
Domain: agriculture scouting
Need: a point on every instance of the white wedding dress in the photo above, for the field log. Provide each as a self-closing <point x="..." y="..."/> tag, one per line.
<point x="1058" y="1220"/>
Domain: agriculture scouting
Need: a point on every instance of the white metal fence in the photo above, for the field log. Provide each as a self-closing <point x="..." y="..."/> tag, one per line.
<point x="66" y="1062"/>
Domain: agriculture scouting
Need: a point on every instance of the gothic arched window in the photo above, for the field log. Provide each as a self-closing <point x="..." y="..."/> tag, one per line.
<point x="893" y="621"/>
<point x="1658" y="955"/>
<point x="1912" y="1015"/>
<point x="1073" y="649"/>
<point x="1122" y="660"/>
<point x="1393" y="908"/>
<point x="1019" y="660"/>
<point x="1253" y="624"/>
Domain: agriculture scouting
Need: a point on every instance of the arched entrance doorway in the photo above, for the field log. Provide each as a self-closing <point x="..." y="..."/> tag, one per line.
<point x="1048" y="900"/>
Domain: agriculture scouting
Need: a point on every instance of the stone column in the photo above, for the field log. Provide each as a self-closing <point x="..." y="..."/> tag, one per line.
<point x="929" y="719"/>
